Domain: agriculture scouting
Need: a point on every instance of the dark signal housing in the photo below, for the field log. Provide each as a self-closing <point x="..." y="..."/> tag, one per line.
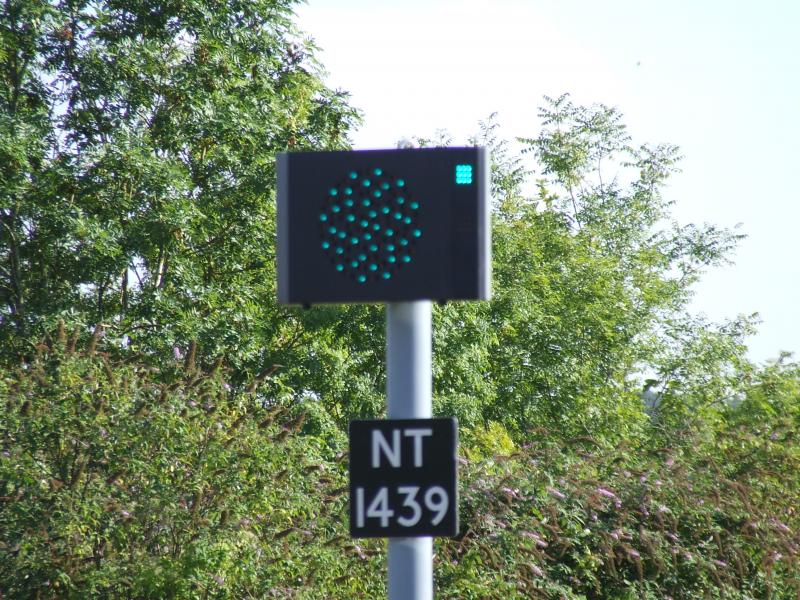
<point x="383" y="226"/>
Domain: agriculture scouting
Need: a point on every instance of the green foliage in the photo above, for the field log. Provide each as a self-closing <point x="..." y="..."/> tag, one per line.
<point x="490" y="441"/>
<point x="182" y="436"/>
<point x="143" y="199"/>
<point x="588" y="276"/>
<point x="702" y="372"/>
<point x="694" y="520"/>
<point x="142" y="192"/>
<point x="772" y="394"/>
<point x="121" y="479"/>
<point x="124" y="480"/>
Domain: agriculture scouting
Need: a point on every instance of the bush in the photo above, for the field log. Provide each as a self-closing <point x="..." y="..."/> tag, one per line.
<point x="119" y="479"/>
<point x="576" y="520"/>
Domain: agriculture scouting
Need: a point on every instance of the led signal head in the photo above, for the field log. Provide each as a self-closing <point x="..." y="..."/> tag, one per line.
<point x="383" y="225"/>
<point x="381" y="212"/>
<point x="464" y="174"/>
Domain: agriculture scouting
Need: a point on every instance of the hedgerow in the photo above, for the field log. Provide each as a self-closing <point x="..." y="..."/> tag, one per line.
<point x="123" y="479"/>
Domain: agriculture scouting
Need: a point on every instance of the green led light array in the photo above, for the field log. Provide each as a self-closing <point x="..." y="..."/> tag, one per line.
<point x="463" y="174"/>
<point x="369" y="225"/>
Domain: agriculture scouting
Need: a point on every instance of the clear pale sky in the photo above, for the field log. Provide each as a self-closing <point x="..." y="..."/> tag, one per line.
<point x="719" y="78"/>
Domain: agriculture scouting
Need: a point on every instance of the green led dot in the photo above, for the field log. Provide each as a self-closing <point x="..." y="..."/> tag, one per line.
<point x="333" y="191"/>
<point x="348" y="203"/>
<point x="362" y="257"/>
<point x="323" y="218"/>
<point x="352" y="175"/>
<point x="354" y="263"/>
<point x="364" y="223"/>
<point x="407" y="220"/>
<point x="377" y="193"/>
<point x="400" y="200"/>
<point x="398" y="216"/>
<point x="366" y="202"/>
<point x="463" y="174"/>
<point x="416" y="233"/>
<point x="335" y="208"/>
<point x="351" y="218"/>
<point x="378" y="172"/>
<point x="340" y="268"/>
<point x="339" y="250"/>
<point x="406" y="259"/>
<point x="389" y="232"/>
<point x="326" y="245"/>
<point x="386" y="275"/>
<point x="366" y="183"/>
<point x="354" y="240"/>
<point x="385" y="186"/>
<point x="331" y="229"/>
<point x="372" y="214"/>
<point x="390" y="247"/>
<point x="367" y="236"/>
<point x="414" y="205"/>
<point x="342" y="234"/>
<point x="401" y="182"/>
<point x="373" y="248"/>
<point x="376" y="227"/>
<point x="391" y="259"/>
<point x="404" y="242"/>
<point x="348" y="191"/>
<point x="385" y="210"/>
<point x="362" y="278"/>
<point x="373" y="267"/>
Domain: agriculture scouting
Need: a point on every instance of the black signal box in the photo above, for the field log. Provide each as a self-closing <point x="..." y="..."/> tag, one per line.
<point x="383" y="226"/>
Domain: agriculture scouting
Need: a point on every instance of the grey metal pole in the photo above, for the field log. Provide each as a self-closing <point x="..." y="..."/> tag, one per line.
<point x="408" y="391"/>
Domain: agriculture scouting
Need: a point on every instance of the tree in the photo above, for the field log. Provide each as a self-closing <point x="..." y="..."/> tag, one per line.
<point x="591" y="277"/>
<point x="138" y="185"/>
<point x="138" y="144"/>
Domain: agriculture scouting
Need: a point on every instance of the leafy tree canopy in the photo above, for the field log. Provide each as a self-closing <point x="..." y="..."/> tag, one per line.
<point x="137" y="144"/>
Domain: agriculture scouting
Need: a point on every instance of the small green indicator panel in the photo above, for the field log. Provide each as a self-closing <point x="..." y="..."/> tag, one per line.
<point x="464" y="174"/>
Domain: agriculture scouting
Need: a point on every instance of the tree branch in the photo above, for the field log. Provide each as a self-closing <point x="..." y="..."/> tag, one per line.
<point x="16" y="284"/>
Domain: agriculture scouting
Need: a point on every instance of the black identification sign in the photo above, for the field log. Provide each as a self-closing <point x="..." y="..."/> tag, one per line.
<point x="403" y="478"/>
